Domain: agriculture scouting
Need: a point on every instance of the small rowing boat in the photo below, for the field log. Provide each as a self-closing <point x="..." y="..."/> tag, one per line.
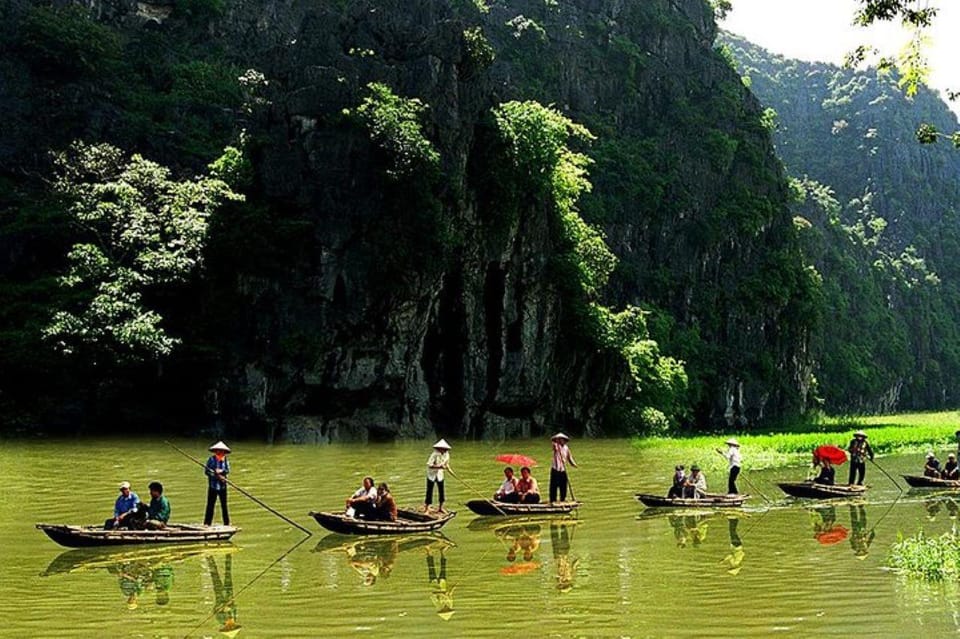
<point x="811" y="490"/>
<point x="408" y="521"/>
<point x="922" y="481"/>
<point x="488" y="507"/>
<point x="88" y="536"/>
<point x="709" y="500"/>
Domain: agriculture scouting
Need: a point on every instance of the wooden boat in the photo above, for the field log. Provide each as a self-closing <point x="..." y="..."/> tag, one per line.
<point x="87" y="536"/>
<point x="408" y="521"/>
<point x="709" y="500"/>
<point x="489" y="508"/>
<point x="922" y="481"/>
<point x="811" y="490"/>
<point x="349" y="544"/>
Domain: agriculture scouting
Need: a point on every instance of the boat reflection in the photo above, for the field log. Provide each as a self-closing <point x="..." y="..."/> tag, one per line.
<point x="934" y="505"/>
<point x="373" y="558"/>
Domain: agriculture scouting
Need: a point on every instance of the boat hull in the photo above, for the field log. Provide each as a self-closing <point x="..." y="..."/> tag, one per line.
<point x="810" y="490"/>
<point x="709" y="501"/>
<point x="489" y="508"/>
<point x="408" y="521"/>
<point x="922" y="481"/>
<point x="92" y="536"/>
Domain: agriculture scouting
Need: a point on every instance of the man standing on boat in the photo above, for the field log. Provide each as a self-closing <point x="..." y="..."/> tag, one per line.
<point x="217" y="469"/>
<point x="558" y="467"/>
<point x="859" y="450"/>
<point x="733" y="460"/>
<point x="126" y="505"/>
<point x="438" y="461"/>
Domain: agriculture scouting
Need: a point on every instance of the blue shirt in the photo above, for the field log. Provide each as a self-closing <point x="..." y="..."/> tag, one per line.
<point x="213" y="465"/>
<point x="125" y="504"/>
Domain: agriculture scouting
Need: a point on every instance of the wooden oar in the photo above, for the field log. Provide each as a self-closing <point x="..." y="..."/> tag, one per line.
<point x="492" y="503"/>
<point x="749" y="483"/>
<point x="888" y="476"/>
<point x="242" y="491"/>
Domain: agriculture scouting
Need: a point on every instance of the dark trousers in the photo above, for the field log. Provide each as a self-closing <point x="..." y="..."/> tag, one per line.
<point x="732" y="480"/>
<point x="530" y="498"/>
<point x="859" y="469"/>
<point x="510" y="498"/>
<point x="558" y="484"/>
<point x="429" y="498"/>
<point x="212" y="495"/>
<point x="132" y="521"/>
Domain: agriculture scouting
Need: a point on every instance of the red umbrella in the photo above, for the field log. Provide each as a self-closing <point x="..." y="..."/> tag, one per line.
<point x="521" y="568"/>
<point x="513" y="459"/>
<point x="834" y="535"/>
<point x="832" y="454"/>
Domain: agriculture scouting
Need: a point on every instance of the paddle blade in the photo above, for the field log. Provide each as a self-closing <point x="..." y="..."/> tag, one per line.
<point x="834" y="454"/>
<point x="514" y="459"/>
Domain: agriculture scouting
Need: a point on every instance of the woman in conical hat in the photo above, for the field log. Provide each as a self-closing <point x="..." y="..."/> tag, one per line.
<point x="733" y="461"/>
<point x="438" y="461"/>
<point x="558" y="467"/>
<point x="217" y="469"/>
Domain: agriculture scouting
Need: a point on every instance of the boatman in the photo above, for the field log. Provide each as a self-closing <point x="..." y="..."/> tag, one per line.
<point x="733" y="460"/>
<point x="437" y="462"/>
<point x="859" y="450"/>
<point x="217" y="469"/>
<point x="558" y="467"/>
<point x="126" y="506"/>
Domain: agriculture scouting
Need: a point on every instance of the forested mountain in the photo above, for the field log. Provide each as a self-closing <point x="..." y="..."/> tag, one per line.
<point x="886" y="230"/>
<point x="411" y="230"/>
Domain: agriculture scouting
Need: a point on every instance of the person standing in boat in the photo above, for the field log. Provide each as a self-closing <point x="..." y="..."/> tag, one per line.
<point x="931" y="468"/>
<point x="217" y="469"/>
<point x="158" y="512"/>
<point x="528" y="491"/>
<point x="558" y="467"/>
<point x="859" y="450"/>
<point x="124" y="509"/>
<point x="507" y="492"/>
<point x="695" y="485"/>
<point x="438" y="461"/>
<point x="951" y="470"/>
<point x="361" y="502"/>
<point x="733" y="460"/>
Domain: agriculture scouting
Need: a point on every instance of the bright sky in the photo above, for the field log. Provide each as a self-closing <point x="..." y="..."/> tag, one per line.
<point x="822" y="30"/>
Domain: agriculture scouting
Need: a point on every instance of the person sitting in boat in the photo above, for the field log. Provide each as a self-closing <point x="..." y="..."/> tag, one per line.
<point x="932" y="466"/>
<point x="951" y="470"/>
<point x="695" y="486"/>
<point x="386" y="506"/>
<point x="827" y="474"/>
<point x="124" y="508"/>
<point x="362" y="502"/>
<point x="679" y="477"/>
<point x="508" y="489"/>
<point x="528" y="491"/>
<point x="158" y="512"/>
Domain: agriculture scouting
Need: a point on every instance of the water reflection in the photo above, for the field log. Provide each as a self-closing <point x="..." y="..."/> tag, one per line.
<point x="561" y="535"/>
<point x="826" y="530"/>
<point x="373" y="558"/>
<point x="733" y="562"/>
<point x="690" y="529"/>
<point x="225" y="604"/>
<point x="441" y="592"/>
<point x="522" y="542"/>
<point x="860" y="536"/>
<point x="933" y="506"/>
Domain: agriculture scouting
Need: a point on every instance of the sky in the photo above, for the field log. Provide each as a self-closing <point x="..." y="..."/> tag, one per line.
<point x="822" y="31"/>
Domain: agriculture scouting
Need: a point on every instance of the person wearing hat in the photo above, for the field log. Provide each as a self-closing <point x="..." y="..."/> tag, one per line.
<point x="438" y="461"/>
<point x="217" y="469"/>
<point x="859" y="450"/>
<point x="932" y="466"/>
<point x="558" y="467"/>
<point x="124" y="508"/>
<point x="733" y="460"/>
<point x="951" y="470"/>
<point x="679" y="477"/>
<point x="695" y="485"/>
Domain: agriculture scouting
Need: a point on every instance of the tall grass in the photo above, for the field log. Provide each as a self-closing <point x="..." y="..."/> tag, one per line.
<point x="929" y="558"/>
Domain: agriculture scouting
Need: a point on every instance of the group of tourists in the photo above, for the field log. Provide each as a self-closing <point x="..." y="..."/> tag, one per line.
<point x="518" y="491"/>
<point x="526" y="490"/>
<point x="949" y="471"/>
<point x="130" y="513"/>
<point x="694" y="485"/>
<point x="372" y="503"/>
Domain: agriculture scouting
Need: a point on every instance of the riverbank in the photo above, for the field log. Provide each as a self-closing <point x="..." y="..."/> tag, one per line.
<point x="888" y="434"/>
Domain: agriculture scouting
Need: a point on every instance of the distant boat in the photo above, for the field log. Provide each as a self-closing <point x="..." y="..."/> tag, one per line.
<point x="491" y="508"/>
<point x="922" y="481"/>
<point x="87" y="536"/>
<point x="811" y="490"/>
<point x="709" y="500"/>
<point x="408" y="521"/>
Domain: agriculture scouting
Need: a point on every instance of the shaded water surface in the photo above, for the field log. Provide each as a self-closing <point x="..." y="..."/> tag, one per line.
<point x="793" y="569"/>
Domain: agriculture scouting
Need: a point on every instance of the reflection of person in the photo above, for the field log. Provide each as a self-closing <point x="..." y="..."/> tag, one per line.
<point x="679" y="477"/>
<point x="932" y="506"/>
<point x="442" y="592"/>
<point x="507" y="492"/>
<point x="734" y="560"/>
<point x="827" y="474"/>
<point x="438" y="461"/>
<point x="733" y="461"/>
<point x="679" y="530"/>
<point x="528" y="491"/>
<point x="695" y="484"/>
<point x="131" y="577"/>
<point x="225" y="606"/>
<point x="529" y="541"/>
<point x="163" y="583"/>
<point x="386" y="507"/>
<point x="931" y="468"/>
<point x="951" y="470"/>
<point x="217" y="469"/>
<point x="566" y="568"/>
<point x="158" y="512"/>
<point x="124" y="509"/>
<point x="558" y="467"/>
<point x="361" y="502"/>
<point x="859" y="450"/>
<point x="860" y="537"/>
<point x="952" y="508"/>
<point x="823" y="519"/>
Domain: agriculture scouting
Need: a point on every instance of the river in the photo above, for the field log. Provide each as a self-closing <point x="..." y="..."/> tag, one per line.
<point x="615" y="571"/>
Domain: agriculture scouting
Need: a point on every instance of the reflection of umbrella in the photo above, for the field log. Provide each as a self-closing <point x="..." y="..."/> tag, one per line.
<point x="833" y="454"/>
<point x="834" y="535"/>
<point x="521" y="568"/>
<point x="516" y="460"/>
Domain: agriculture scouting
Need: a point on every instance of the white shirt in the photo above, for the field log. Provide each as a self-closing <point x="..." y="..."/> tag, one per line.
<point x="362" y="492"/>
<point x="507" y="487"/>
<point x="733" y="456"/>
<point x="437" y="459"/>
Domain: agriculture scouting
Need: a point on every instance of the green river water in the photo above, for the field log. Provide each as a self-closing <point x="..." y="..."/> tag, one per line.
<point x="614" y="571"/>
